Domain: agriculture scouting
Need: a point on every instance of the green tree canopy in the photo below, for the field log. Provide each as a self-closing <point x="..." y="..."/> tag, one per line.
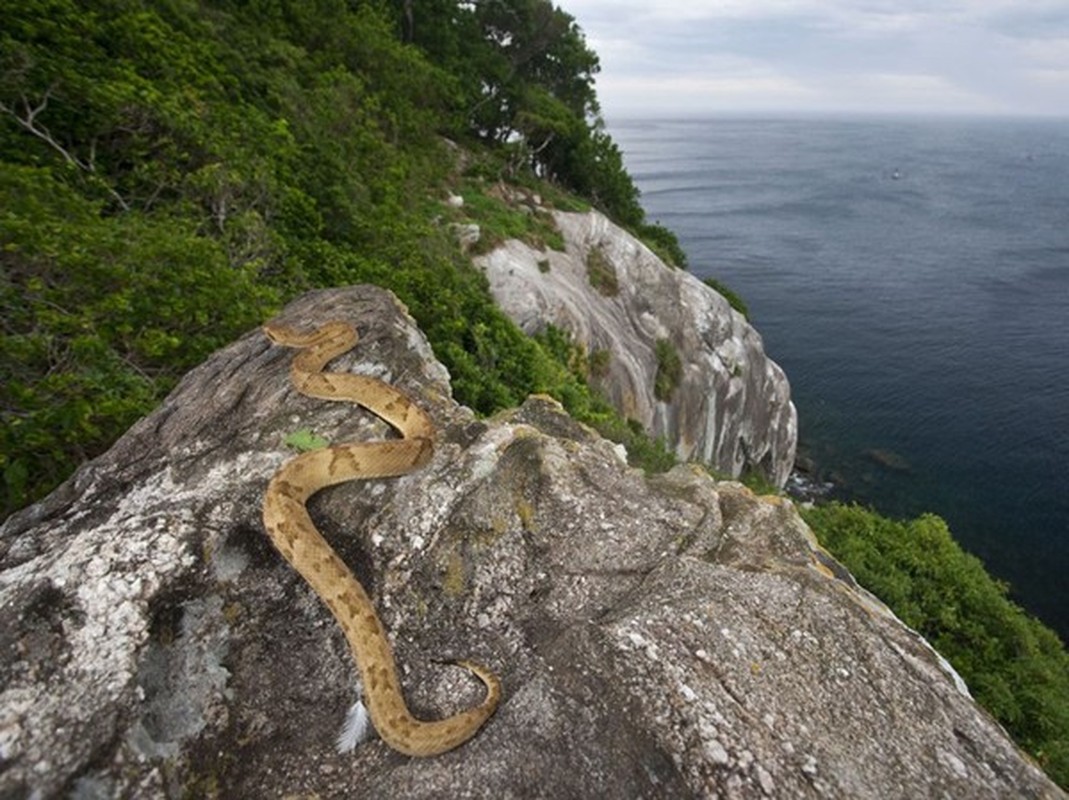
<point x="526" y="78"/>
<point x="171" y="170"/>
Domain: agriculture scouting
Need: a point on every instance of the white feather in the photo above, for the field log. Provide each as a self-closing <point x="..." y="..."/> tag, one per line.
<point x="357" y="728"/>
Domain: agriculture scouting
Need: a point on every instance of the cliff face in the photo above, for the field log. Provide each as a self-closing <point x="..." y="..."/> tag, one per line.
<point x="663" y="636"/>
<point x="729" y="408"/>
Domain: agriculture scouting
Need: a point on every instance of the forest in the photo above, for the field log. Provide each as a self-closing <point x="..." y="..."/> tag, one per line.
<point x="172" y="172"/>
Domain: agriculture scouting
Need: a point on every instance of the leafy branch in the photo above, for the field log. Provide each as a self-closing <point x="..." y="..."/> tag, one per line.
<point x="27" y="120"/>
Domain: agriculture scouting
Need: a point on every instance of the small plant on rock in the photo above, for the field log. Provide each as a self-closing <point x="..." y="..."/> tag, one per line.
<point x="601" y="273"/>
<point x="669" y="370"/>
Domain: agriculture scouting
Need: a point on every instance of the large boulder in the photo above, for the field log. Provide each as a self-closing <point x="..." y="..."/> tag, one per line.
<point x="658" y="636"/>
<point x="729" y="407"/>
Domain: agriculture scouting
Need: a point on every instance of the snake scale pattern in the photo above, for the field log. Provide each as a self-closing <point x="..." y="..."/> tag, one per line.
<point x="292" y="531"/>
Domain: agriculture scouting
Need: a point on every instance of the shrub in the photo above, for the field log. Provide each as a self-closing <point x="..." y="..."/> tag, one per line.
<point x="598" y="363"/>
<point x="500" y="221"/>
<point x="733" y="299"/>
<point x="601" y="273"/>
<point x="1015" y="666"/>
<point x="664" y="243"/>
<point x="102" y="314"/>
<point x="669" y="370"/>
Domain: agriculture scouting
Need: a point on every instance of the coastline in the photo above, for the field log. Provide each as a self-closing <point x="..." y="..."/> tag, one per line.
<point x="917" y="319"/>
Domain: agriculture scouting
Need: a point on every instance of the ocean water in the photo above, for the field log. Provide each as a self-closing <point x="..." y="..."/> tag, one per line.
<point x="912" y="278"/>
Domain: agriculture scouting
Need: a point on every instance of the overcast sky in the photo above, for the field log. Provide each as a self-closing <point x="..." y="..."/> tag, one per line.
<point x="663" y="57"/>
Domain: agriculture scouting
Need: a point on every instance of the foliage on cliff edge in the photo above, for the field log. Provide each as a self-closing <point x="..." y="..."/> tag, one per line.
<point x="171" y="172"/>
<point x="1014" y="665"/>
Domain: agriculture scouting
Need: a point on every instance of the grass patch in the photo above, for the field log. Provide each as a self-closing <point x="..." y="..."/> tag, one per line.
<point x="601" y="273"/>
<point x="554" y="198"/>
<point x="663" y="243"/>
<point x="598" y="363"/>
<point x="733" y="299"/>
<point x="496" y="220"/>
<point x="669" y="370"/>
<point x="500" y="220"/>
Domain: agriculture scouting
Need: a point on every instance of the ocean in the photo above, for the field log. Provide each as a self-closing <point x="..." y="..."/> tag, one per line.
<point x="911" y="276"/>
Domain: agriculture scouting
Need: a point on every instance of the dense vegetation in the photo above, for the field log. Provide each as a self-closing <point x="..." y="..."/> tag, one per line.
<point x="171" y="172"/>
<point x="1016" y="667"/>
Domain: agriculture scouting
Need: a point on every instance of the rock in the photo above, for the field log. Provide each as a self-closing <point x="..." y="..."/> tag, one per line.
<point x="805" y="487"/>
<point x="888" y="459"/>
<point x="805" y="464"/>
<point x="517" y="197"/>
<point x="467" y="234"/>
<point x="658" y="637"/>
<point x="730" y="406"/>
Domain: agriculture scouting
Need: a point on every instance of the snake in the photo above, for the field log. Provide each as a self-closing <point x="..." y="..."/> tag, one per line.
<point x="291" y="530"/>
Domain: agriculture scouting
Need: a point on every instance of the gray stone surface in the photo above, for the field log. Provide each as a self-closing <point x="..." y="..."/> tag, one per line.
<point x="732" y="409"/>
<point x="658" y="637"/>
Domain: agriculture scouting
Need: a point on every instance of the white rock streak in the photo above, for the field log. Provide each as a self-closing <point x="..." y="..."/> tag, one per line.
<point x="732" y="408"/>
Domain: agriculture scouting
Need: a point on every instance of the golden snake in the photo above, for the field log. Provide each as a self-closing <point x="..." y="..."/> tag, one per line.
<point x="293" y="533"/>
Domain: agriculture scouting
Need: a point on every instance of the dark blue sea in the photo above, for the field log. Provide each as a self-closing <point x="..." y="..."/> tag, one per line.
<point x="912" y="278"/>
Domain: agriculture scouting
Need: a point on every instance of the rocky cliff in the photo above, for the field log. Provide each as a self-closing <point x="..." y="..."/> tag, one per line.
<point x="730" y="405"/>
<point x="658" y="637"/>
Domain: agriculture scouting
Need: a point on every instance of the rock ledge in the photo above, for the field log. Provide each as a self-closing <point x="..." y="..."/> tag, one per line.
<point x="658" y="637"/>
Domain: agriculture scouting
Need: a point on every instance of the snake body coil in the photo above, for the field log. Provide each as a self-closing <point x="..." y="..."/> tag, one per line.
<point x="293" y="533"/>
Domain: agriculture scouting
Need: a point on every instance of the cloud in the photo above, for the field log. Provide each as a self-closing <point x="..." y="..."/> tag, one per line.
<point x="1055" y="77"/>
<point x="921" y="92"/>
<point x="1036" y="21"/>
<point x="976" y="56"/>
<point x="743" y="86"/>
<point x="1053" y="51"/>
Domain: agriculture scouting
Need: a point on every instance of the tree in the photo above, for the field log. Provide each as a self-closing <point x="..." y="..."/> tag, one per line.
<point x="533" y="44"/>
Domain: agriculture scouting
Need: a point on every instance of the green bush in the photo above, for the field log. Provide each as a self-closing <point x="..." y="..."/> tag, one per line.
<point x="101" y="315"/>
<point x="601" y="273"/>
<point x="1015" y="666"/>
<point x="669" y="370"/>
<point x="734" y="300"/>
<point x="598" y="363"/>
<point x="664" y="243"/>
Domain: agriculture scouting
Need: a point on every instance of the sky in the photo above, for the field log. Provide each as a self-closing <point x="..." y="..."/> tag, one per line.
<point x="692" y="57"/>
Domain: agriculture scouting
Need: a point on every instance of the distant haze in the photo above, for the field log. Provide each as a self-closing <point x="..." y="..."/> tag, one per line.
<point x="694" y="57"/>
